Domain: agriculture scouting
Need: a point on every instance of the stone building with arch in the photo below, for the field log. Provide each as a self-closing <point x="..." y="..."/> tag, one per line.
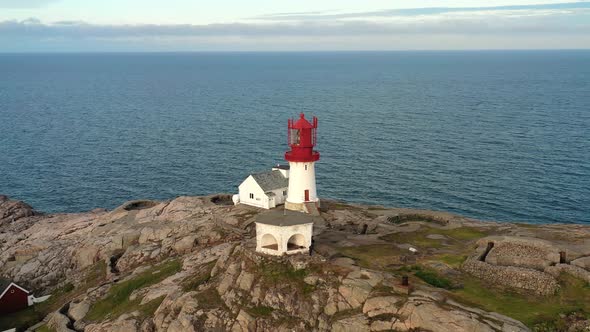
<point x="284" y="232"/>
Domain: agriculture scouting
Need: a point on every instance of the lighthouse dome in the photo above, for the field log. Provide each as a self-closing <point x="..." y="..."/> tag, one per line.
<point x="302" y="123"/>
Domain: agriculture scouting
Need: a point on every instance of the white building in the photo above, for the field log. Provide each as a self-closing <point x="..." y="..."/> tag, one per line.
<point x="284" y="232"/>
<point x="266" y="189"/>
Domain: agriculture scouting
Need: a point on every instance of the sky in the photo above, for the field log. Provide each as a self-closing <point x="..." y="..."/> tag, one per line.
<point x="291" y="25"/>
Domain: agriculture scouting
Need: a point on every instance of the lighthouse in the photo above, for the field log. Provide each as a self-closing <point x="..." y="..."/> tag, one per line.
<point x="301" y="194"/>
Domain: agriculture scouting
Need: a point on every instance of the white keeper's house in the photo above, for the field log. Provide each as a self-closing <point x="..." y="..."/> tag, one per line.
<point x="265" y="189"/>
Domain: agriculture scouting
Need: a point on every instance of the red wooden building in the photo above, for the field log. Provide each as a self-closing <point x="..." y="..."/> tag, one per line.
<point x="13" y="297"/>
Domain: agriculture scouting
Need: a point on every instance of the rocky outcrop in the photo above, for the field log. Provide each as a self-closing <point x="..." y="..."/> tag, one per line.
<point x="59" y="322"/>
<point x="381" y="305"/>
<point x="424" y="314"/>
<point x="357" y="286"/>
<point x="351" y="324"/>
<point x="11" y="210"/>
<point x="125" y="323"/>
<point x="583" y="262"/>
<point x="573" y="270"/>
<point x="223" y="285"/>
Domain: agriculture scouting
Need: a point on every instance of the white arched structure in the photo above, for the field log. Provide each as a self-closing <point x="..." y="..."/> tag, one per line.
<point x="278" y="233"/>
<point x="268" y="241"/>
<point x="296" y="242"/>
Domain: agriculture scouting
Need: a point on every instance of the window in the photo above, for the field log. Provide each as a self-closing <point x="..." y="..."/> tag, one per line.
<point x="251" y="196"/>
<point x="295" y="137"/>
<point x="12" y="291"/>
<point x="284" y="193"/>
<point x="306" y="167"/>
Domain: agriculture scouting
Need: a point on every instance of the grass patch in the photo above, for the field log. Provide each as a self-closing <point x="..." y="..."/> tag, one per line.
<point x="209" y="299"/>
<point x="451" y="260"/>
<point x="382" y="290"/>
<point x="529" y="309"/>
<point x="417" y="238"/>
<point x="429" y="276"/>
<point x="277" y="272"/>
<point x="260" y="311"/>
<point x="462" y="233"/>
<point x="149" y="308"/>
<point x="434" y="279"/>
<point x="36" y="313"/>
<point x="117" y="300"/>
<point x="376" y="256"/>
<point x="454" y="237"/>
<point x="415" y="217"/>
<point x="202" y="276"/>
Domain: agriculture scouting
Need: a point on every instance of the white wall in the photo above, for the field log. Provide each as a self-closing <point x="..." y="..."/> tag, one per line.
<point x="282" y="234"/>
<point x="285" y="172"/>
<point x="260" y="198"/>
<point x="279" y="196"/>
<point x="301" y="179"/>
<point x="249" y="186"/>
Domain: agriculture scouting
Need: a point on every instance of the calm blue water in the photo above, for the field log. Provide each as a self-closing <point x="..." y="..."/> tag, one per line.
<point x="492" y="135"/>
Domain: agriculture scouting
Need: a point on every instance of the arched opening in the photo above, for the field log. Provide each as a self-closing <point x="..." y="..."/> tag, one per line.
<point x="269" y="242"/>
<point x="364" y="230"/>
<point x="296" y="242"/>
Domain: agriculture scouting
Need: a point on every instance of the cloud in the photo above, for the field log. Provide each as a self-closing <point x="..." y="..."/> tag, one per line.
<point x="21" y="4"/>
<point x="420" y="11"/>
<point x="503" y="27"/>
<point x="554" y="22"/>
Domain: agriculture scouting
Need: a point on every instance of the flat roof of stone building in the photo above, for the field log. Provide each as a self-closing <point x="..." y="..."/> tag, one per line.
<point x="281" y="217"/>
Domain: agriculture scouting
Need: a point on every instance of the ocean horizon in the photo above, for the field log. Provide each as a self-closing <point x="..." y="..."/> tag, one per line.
<point x="490" y="134"/>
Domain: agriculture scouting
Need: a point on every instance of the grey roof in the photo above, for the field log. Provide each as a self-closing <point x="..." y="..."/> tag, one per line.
<point x="285" y="167"/>
<point x="3" y="284"/>
<point x="281" y="217"/>
<point x="271" y="180"/>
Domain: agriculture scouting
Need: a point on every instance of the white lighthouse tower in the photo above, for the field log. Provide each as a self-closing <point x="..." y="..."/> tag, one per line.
<point x="302" y="195"/>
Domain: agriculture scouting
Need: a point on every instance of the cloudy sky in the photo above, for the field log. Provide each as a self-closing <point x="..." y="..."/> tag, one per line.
<point x="291" y="25"/>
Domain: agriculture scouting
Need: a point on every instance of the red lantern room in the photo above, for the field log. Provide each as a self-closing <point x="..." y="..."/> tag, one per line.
<point x="302" y="139"/>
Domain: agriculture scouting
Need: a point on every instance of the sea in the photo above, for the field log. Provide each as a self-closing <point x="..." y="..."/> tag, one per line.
<point x="493" y="135"/>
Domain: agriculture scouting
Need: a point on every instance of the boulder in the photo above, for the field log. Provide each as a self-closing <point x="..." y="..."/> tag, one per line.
<point x="574" y="270"/>
<point x="177" y="313"/>
<point x="86" y="256"/>
<point x="583" y="262"/>
<point x="336" y="302"/>
<point x="11" y="210"/>
<point x="244" y="323"/>
<point x="245" y="280"/>
<point x="382" y="325"/>
<point x="351" y="324"/>
<point x="424" y="314"/>
<point x="381" y="305"/>
<point x="430" y="316"/>
<point x="185" y="244"/>
<point x="59" y="322"/>
<point x="78" y="310"/>
<point x="358" y="285"/>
